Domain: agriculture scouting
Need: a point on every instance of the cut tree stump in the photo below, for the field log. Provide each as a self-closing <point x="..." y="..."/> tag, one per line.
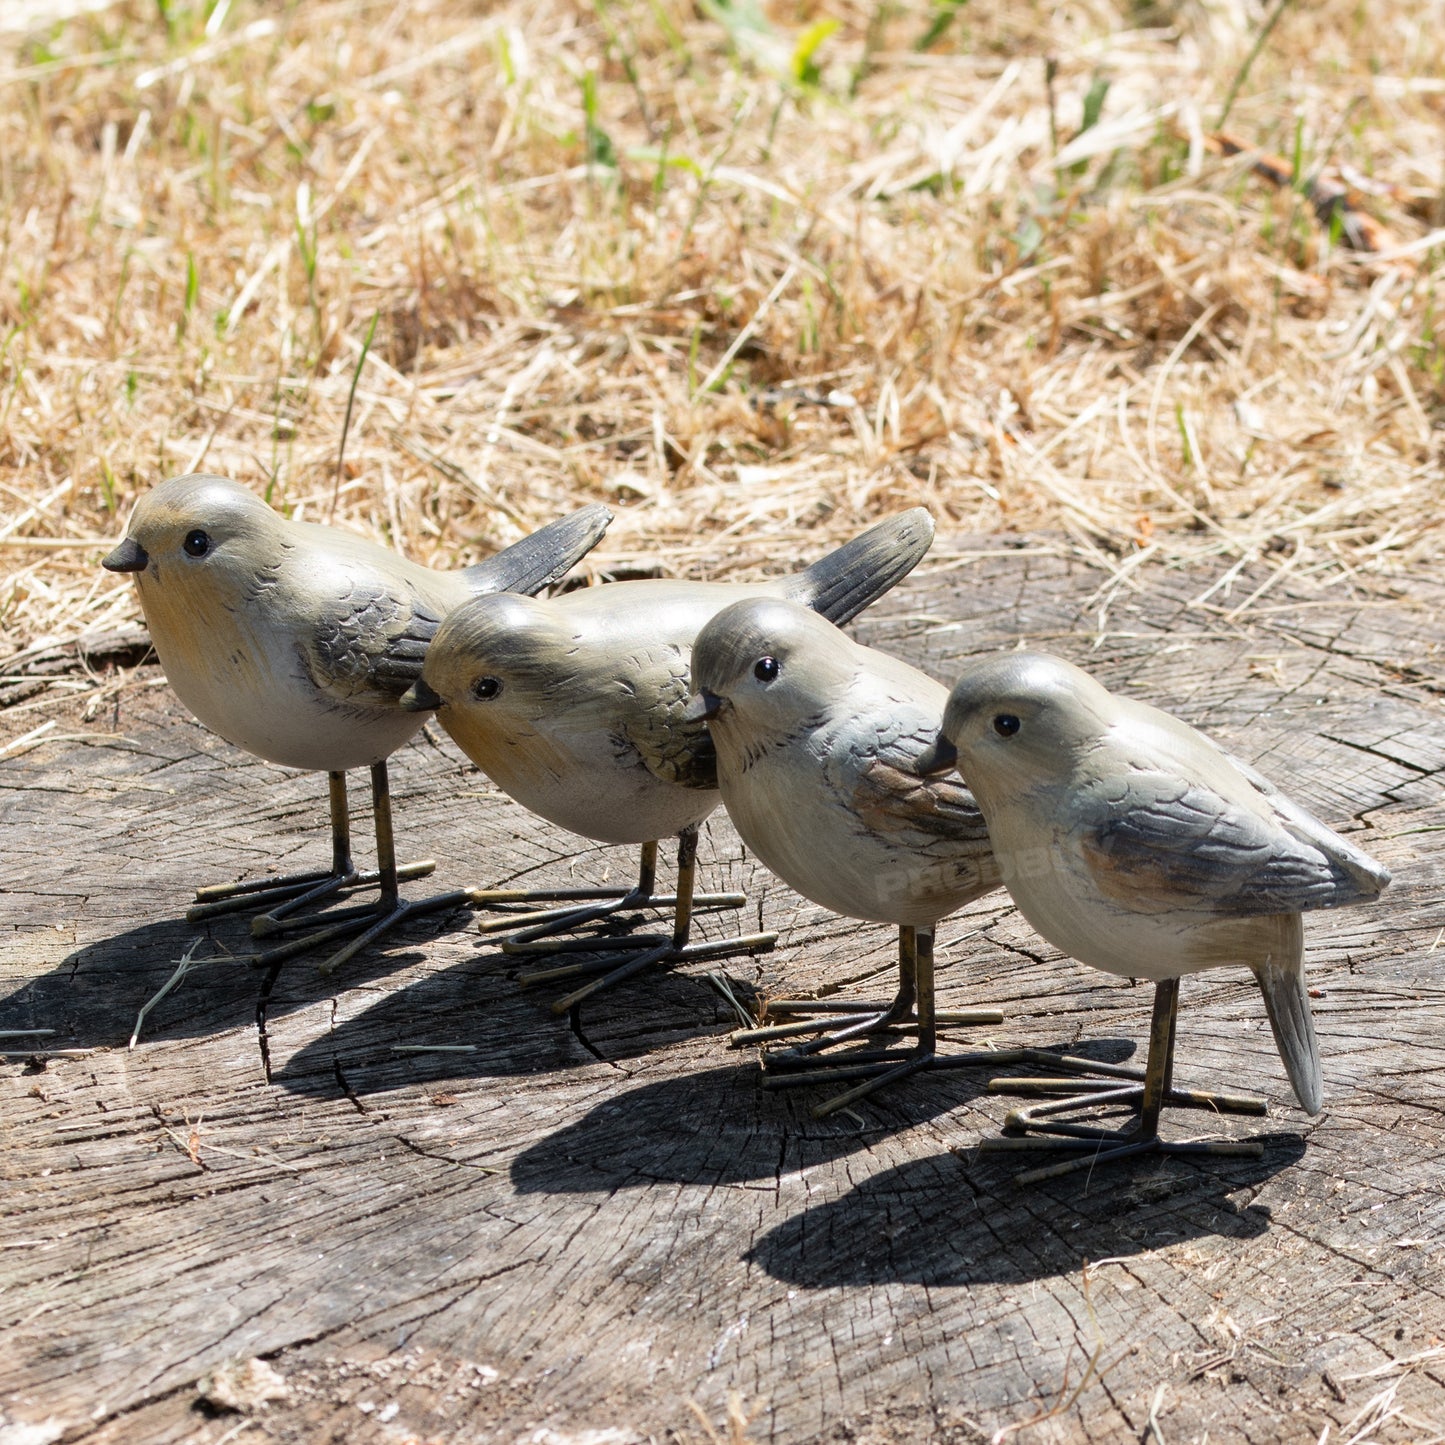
<point x="604" y="1230"/>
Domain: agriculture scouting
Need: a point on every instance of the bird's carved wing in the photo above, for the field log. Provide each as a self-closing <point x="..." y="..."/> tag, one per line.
<point x="1365" y="875"/>
<point x="1153" y="841"/>
<point x="369" y="644"/>
<point x="654" y="688"/>
<point x="541" y="558"/>
<point x="890" y="796"/>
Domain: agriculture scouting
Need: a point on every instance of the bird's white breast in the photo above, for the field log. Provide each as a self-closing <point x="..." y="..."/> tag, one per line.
<point x="240" y="669"/>
<point x="797" y="812"/>
<point x="575" y="778"/>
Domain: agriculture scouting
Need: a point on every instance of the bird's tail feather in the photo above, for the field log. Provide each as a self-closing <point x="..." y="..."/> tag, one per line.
<point x="544" y="556"/>
<point x="840" y="585"/>
<point x="1287" y="1002"/>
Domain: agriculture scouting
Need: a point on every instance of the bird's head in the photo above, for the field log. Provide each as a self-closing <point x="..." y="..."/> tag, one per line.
<point x="498" y="666"/>
<point x="763" y="665"/>
<point x="194" y="531"/>
<point x="1018" y="720"/>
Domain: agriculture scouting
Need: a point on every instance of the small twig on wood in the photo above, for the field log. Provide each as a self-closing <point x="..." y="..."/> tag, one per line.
<point x="44" y="1053"/>
<point x="1093" y="1370"/>
<point x="234" y="1431"/>
<point x="183" y="967"/>
<point x="1405" y="1362"/>
<point x="1064" y="1402"/>
<point x="737" y="1420"/>
<point x="1375" y="1413"/>
<point x="190" y="1146"/>
<point x="720" y="983"/>
<point x="1151" y="1425"/>
<point x="27" y="739"/>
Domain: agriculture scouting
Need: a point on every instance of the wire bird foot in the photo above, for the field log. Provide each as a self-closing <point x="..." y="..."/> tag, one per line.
<point x="1047" y="1127"/>
<point x="605" y="972"/>
<point x="912" y="1013"/>
<point x="283" y="898"/>
<point x="538" y="935"/>
<point x="362" y="924"/>
<point x="528" y="932"/>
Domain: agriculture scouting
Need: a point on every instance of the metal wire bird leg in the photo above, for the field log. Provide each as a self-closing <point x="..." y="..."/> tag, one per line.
<point x="529" y="931"/>
<point x="368" y="921"/>
<point x="603" y="970"/>
<point x="912" y="1012"/>
<point x="296" y="891"/>
<point x="1045" y="1127"/>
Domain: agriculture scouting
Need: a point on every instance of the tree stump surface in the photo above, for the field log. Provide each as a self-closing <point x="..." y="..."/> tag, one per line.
<point x="604" y="1230"/>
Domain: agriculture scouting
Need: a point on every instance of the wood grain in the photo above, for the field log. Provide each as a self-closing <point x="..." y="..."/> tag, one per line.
<point x="598" y="1232"/>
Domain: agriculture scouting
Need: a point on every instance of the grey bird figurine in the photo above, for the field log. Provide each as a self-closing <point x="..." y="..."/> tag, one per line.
<point x="295" y="642"/>
<point x="818" y="740"/>
<point x="575" y="707"/>
<point x="1135" y="844"/>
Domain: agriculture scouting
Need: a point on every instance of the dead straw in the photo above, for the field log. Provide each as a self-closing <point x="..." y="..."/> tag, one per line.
<point x="407" y="270"/>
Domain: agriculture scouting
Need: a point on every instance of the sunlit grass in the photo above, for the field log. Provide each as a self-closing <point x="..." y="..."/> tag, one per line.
<point x="742" y="271"/>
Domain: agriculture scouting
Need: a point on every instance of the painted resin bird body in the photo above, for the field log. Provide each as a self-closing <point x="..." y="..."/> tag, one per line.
<point x="585" y="726"/>
<point x="1140" y="847"/>
<point x="817" y="765"/>
<point x="575" y="706"/>
<point x="320" y="696"/>
<point x="818" y="740"/>
<point x="296" y="642"/>
<point x="1177" y="858"/>
<point x="1132" y="841"/>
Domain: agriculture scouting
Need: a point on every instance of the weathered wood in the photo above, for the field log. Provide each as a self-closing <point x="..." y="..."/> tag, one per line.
<point x="592" y="1227"/>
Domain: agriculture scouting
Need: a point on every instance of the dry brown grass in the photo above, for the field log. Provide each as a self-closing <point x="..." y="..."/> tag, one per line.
<point x="739" y="301"/>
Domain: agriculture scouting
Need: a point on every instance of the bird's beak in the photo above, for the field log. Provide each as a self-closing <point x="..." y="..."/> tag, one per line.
<point x="704" y="705"/>
<point x="130" y="556"/>
<point x="941" y="757"/>
<point x="420" y="698"/>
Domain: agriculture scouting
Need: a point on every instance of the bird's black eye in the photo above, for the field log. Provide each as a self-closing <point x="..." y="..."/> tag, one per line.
<point x="765" y="669"/>
<point x="1005" y="724"/>
<point x="486" y="688"/>
<point x="197" y="543"/>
